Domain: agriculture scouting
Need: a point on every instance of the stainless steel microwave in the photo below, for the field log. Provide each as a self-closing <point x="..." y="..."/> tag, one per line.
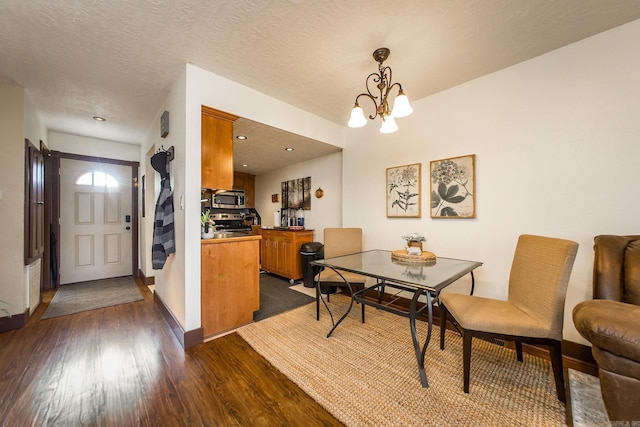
<point x="233" y="199"/>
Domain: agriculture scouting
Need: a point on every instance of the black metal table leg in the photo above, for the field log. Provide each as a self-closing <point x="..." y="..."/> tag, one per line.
<point x="318" y="293"/>
<point x="420" y="351"/>
<point x="319" y="297"/>
<point x="473" y="283"/>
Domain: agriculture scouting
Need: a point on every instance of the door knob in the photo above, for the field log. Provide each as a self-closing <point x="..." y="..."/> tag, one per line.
<point x="128" y="228"/>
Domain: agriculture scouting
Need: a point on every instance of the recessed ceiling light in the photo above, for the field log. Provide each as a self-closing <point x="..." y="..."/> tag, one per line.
<point x="288" y="149"/>
<point x="241" y="137"/>
<point x="245" y="166"/>
<point x="99" y="119"/>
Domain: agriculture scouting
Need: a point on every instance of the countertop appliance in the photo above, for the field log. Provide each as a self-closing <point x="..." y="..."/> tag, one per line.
<point x="230" y="199"/>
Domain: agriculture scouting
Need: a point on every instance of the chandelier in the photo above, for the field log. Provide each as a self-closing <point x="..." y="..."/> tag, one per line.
<point x="382" y="81"/>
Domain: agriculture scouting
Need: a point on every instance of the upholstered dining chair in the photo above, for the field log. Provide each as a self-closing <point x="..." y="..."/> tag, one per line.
<point x="533" y="312"/>
<point x="339" y="242"/>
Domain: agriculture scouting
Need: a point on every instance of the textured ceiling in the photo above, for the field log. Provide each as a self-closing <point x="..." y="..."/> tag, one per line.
<point x="264" y="150"/>
<point x="117" y="59"/>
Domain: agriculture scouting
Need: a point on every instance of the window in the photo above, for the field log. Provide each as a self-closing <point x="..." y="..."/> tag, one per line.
<point x="96" y="179"/>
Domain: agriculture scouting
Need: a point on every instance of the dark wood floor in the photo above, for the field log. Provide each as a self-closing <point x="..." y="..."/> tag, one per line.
<point x="122" y="366"/>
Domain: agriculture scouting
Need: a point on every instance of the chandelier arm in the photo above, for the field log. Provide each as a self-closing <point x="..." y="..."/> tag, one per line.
<point x="375" y="78"/>
<point x="372" y="98"/>
<point x="386" y="85"/>
<point x="383" y="71"/>
<point x="396" y="84"/>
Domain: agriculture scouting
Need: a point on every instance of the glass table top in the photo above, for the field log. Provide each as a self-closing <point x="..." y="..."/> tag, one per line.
<point x="377" y="263"/>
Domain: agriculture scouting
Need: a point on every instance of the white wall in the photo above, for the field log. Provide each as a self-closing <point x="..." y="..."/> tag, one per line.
<point x="325" y="172"/>
<point x="19" y="119"/>
<point x="205" y="88"/>
<point x="170" y="281"/>
<point x="178" y="284"/>
<point x="13" y="283"/>
<point x="75" y="144"/>
<point x="556" y="144"/>
<point x="34" y="131"/>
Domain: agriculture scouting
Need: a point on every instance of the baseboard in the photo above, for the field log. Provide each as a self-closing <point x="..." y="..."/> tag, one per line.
<point x="15" y="321"/>
<point x="574" y="355"/>
<point x="144" y="279"/>
<point x="187" y="339"/>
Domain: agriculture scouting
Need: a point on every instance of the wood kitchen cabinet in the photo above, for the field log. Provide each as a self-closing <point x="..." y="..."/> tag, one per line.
<point x="217" y="149"/>
<point x="230" y="283"/>
<point x="281" y="252"/>
<point x="247" y="182"/>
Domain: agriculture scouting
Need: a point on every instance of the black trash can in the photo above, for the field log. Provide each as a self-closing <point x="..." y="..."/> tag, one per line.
<point x="309" y="252"/>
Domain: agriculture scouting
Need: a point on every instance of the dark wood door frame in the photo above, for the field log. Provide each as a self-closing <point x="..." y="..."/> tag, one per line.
<point x="52" y="212"/>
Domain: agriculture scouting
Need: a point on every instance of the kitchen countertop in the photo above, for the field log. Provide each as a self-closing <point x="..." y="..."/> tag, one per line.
<point x="228" y="238"/>
<point x="284" y="229"/>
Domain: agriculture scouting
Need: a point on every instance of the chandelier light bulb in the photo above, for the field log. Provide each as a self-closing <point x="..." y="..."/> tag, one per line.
<point x="401" y="106"/>
<point x="357" y="119"/>
<point x="388" y="125"/>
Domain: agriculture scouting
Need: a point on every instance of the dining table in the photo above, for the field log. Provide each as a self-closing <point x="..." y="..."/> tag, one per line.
<point x="396" y="280"/>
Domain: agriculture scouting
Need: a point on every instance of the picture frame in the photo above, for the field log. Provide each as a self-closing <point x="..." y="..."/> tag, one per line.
<point x="164" y="124"/>
<point x="275" y="198"/>
<point x="403" y="191"/>
<point x="452" y="185"/>
<point x="296" y="194"/>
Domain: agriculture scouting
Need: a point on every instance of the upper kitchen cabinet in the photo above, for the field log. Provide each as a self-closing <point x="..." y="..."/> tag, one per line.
<point x="247" y="182"/>
<point x="217" y="149"/>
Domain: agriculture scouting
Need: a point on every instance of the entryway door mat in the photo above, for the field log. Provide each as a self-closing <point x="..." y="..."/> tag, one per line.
<point x="276" y="296"/>
<point x="85" y="296"/>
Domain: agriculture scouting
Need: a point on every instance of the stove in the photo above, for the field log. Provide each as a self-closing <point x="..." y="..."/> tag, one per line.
<point x="230" y="222"/>
<point x="237" y="221"/>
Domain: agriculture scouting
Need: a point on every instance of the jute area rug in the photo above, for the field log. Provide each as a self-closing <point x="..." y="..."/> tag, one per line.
<point x="367" y="375"/>
<point x="84" y="296"/>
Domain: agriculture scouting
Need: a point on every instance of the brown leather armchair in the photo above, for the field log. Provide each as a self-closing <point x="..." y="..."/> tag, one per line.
<point x="611" y="322"/>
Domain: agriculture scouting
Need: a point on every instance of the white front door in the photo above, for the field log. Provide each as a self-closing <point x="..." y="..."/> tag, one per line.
<point x="95" y="221"/>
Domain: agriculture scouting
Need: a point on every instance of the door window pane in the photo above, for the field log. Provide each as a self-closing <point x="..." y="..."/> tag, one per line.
<point x="97" y="179"/>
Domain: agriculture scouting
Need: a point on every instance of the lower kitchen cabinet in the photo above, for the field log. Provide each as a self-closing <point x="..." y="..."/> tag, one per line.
<point x="230" y="283"/>
<point x="281" y="251"/>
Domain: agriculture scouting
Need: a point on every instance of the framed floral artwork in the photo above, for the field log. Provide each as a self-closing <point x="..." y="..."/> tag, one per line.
<point x="453" y="187"/>
<point x="403" y="191"/>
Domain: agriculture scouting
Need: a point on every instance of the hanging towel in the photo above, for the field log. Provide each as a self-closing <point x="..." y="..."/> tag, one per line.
<point x="163" y="227"/>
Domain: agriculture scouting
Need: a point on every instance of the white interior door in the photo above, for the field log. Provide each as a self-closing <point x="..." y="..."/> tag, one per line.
<point x="95" y="221"/>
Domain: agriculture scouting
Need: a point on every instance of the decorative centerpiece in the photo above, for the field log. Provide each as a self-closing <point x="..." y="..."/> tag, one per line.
<point x="414" y="240"/>
<point x="413" y="253"/>
<point x="206" y="225"/>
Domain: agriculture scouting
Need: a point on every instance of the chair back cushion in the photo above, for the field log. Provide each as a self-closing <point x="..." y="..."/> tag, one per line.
<point x="342" y="241"/>
<point x="539" y="278"/>
<point x="616" y="268"/>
